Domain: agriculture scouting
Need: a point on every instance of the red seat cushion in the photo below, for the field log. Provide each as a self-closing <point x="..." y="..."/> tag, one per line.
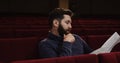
<point x="18" y="48"/>
<point x="67" y="59"/>
<point x="107" y="58"/>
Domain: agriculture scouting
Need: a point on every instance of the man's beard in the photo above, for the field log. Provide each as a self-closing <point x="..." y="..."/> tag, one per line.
<point x="62" y="31"/>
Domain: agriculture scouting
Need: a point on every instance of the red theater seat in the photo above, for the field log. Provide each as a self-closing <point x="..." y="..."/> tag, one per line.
<point x="116" y="48"/>
<point x="1" y="62"/>
<point x="118" y="56"/>
<point x="96" y="41"/>
<point x="49" y="60"/>
<point x="86" y="59"/>
<point x="107" y="58"/>
<point x="68" y="59"/>
<point x="18" y="48"/>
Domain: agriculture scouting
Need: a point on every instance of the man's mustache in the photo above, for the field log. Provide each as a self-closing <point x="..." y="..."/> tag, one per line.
<point x="69" y="29"/>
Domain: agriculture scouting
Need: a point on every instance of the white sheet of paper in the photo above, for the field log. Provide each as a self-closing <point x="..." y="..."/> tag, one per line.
<point x="109" y="44"/>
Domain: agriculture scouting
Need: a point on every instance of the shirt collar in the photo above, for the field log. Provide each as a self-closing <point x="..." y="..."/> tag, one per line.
<point x="54" y="37"/>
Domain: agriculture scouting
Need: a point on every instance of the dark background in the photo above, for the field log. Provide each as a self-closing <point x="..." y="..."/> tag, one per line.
<point x="81" y="8"/>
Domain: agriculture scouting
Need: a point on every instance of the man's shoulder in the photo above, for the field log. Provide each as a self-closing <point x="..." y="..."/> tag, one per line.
<point x="46" y="41"/>
<point x="78" y="37"/>
<point x="75" y="35"/>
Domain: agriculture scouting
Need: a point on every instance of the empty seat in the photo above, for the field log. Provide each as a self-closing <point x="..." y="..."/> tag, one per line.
<point x="18" y="48"/>
<point x="107" y="58"/>
<point x="67" y="59"/>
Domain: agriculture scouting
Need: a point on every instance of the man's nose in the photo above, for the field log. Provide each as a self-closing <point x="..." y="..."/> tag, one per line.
<point x="70" y="26"/>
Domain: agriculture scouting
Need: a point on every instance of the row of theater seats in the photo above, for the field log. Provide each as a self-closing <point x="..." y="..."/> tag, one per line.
<point x="20" y="35"/>
<point x="87" y="58"/>
<point x="21" y="26"/>
<point x="24" y="48"/>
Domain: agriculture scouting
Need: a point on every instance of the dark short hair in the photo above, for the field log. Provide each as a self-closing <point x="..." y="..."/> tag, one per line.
<point x="58" y="13"/>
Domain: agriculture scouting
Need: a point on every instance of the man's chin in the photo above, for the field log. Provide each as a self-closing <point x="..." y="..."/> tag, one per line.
<point x="67" y="32"/>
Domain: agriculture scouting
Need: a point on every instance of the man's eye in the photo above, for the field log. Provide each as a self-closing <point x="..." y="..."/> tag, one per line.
<point x="67" y="22"/>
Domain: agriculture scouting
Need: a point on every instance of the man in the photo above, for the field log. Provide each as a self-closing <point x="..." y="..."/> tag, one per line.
<point x="60" y="41"/>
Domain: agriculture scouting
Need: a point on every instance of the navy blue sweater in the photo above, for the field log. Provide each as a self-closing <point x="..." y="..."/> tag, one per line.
<point x="53" y="46"/>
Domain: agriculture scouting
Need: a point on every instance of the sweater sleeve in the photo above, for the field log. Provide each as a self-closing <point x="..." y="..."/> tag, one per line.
<point x="46" y="51"/>
<point x="66" y="49"/>
<point x="86" y="47"/>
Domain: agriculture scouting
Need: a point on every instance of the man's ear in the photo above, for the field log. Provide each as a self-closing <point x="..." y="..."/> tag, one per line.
<point x="55" y="23"/>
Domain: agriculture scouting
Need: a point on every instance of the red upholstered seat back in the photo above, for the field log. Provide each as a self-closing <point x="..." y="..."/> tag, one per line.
<point x="108" y="58"/>
<point x="118" y="56"/>
<point x="68" y="59"/>
<point x="18" y="48"/>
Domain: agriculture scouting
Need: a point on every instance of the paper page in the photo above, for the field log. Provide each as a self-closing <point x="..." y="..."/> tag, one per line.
<point x="109" y="44"/>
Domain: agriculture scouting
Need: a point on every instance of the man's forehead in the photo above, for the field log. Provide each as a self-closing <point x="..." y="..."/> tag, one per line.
<point x="67" y="17"/>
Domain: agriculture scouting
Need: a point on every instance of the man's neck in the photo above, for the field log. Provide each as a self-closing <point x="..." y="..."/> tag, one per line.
<point x="54" y="32"/>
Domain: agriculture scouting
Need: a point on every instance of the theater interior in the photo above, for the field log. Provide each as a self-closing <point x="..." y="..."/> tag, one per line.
<point x="23" y="23"/>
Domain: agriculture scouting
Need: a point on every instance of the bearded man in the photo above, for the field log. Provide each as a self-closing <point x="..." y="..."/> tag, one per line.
<point x="60" y="41"/>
